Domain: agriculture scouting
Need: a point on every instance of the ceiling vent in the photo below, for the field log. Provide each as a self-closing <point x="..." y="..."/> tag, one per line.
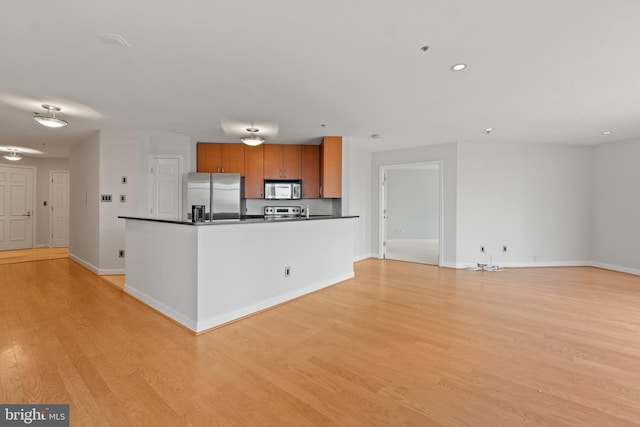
<point x="114" y="39"/>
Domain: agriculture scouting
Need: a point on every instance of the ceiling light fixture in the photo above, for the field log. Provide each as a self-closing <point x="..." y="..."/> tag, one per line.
<point x="13" y="156"/>
<point x="458" y="67"/>
<point x="50" y="120"/>
<point x="252" y="139"/>
<point x="488" y="130"/>
<point x="606" y="132"/>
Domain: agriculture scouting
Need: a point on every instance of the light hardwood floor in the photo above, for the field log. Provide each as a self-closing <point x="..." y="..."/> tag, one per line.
<point x="36" y="254"/>
<point x="401" y="344"/>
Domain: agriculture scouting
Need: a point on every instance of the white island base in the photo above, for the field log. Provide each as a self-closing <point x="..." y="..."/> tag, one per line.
<point x="203" y="276"/>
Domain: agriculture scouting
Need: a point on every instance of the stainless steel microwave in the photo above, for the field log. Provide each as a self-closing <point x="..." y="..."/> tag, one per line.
<point x="282" y="189"/>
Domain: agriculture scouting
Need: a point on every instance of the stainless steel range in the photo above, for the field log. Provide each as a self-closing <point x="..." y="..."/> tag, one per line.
<point x="275" y="212"/>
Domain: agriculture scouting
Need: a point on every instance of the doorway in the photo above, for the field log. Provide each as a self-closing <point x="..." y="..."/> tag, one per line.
<point x="17" y="215"/>
<point x="411" y="212"/>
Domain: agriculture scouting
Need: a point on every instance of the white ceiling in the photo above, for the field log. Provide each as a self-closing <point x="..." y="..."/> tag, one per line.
<point x="547" y="71"/>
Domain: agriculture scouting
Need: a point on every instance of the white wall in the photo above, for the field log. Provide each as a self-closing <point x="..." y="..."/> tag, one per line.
<point x="356" y="192"/>
<point x="534" y="198"/>
<point x="447" y="153"/>
<point x="118" y="158"/>
<point x="84" y="202"/>
<point x="97" y="167"/>
<point x="128" y="154"/>
<point x="616" y="206"/>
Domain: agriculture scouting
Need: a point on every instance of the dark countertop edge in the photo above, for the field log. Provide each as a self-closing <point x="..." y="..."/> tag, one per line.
<point x="259" y="220"/>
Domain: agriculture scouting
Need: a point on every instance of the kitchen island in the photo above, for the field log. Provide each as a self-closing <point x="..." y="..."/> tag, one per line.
<point x="203" y="275"/>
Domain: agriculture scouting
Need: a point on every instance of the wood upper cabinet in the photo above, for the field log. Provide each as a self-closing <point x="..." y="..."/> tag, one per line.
<point x="331" y="167"/>
<point x="220" y="158"/>
<point x="310" y="171"/>
<point x="282" y="161"/>
<point x="253" y="172"/>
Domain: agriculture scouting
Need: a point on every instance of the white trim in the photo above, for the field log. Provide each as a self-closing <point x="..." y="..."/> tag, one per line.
<point x="615" y="268"/>
<point x="162" y="308"/>
<point x="110" y="271"/>
<point x="543" y="264"/>
<point x="363" y="257"/>
<point x="212" y="322"/>
<point x="84" y="263"/>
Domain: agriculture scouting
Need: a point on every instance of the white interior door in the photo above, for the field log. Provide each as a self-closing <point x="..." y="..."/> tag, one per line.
<point x="410" y="213"/>
<point x="16" y="207"/>
<point x="166" y="187"/>
<point x="59" y="199"/>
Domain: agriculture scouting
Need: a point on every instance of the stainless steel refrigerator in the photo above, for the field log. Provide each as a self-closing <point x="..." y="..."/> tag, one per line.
<point x="221" y="194"/>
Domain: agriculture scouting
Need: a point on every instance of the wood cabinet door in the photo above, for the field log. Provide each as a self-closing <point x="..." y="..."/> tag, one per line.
<point x="331" y="167"/>
<point x="273" y="161"/>
<point x="291" y="161"/>
<point x="253" y="172"/>
<point x="208" y="157"/>
<point x="310" y="169"/>
<point x="232" y="158"/>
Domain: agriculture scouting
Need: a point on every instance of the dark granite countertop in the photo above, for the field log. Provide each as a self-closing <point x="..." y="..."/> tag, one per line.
<point x="248" y="219"/>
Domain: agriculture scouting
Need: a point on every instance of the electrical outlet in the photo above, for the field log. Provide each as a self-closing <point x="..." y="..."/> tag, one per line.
<point x="121" y="253"/>
<point x="124" y="180"/>
<point x="106" y="197"/>
<point x="123" y="198"/>
<point x="482" y="249"/>
<point x="504" y="248"/>
<point x="287" y="271"/>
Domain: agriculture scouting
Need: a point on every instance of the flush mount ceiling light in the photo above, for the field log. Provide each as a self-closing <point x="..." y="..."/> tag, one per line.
<point x="252" y="139"/>
<point x="606" y="132"/>
<point x="458" y="67"/>
<point x="13" y="156"/>
<point x="50" y="120"/>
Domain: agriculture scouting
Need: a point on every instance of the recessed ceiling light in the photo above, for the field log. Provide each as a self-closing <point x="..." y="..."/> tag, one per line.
<point x="458" y="67"/>
<point x="606" y="132"/>
<point x="375" y="136"/>
<point x="424" y="48"/>
<point x="488" y="130"/>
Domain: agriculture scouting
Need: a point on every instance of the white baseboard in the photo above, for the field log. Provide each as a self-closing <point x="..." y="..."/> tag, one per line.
<point x="363" y="257"/>
<point x="162" y="308"/>
<point x="110" y="271"/>
<point x="556" y="264"/>
<point x="223" y="318"/>
<point x="42" y="246"/>
<point x="616" y="268"/>
<point x="98" y="271"/>
<point x="84" y="263"/>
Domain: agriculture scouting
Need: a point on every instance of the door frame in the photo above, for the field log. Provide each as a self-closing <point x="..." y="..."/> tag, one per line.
<point x="34" y="198"/>
<point x="382" y="197"/>
<point x="51" y="172"/>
